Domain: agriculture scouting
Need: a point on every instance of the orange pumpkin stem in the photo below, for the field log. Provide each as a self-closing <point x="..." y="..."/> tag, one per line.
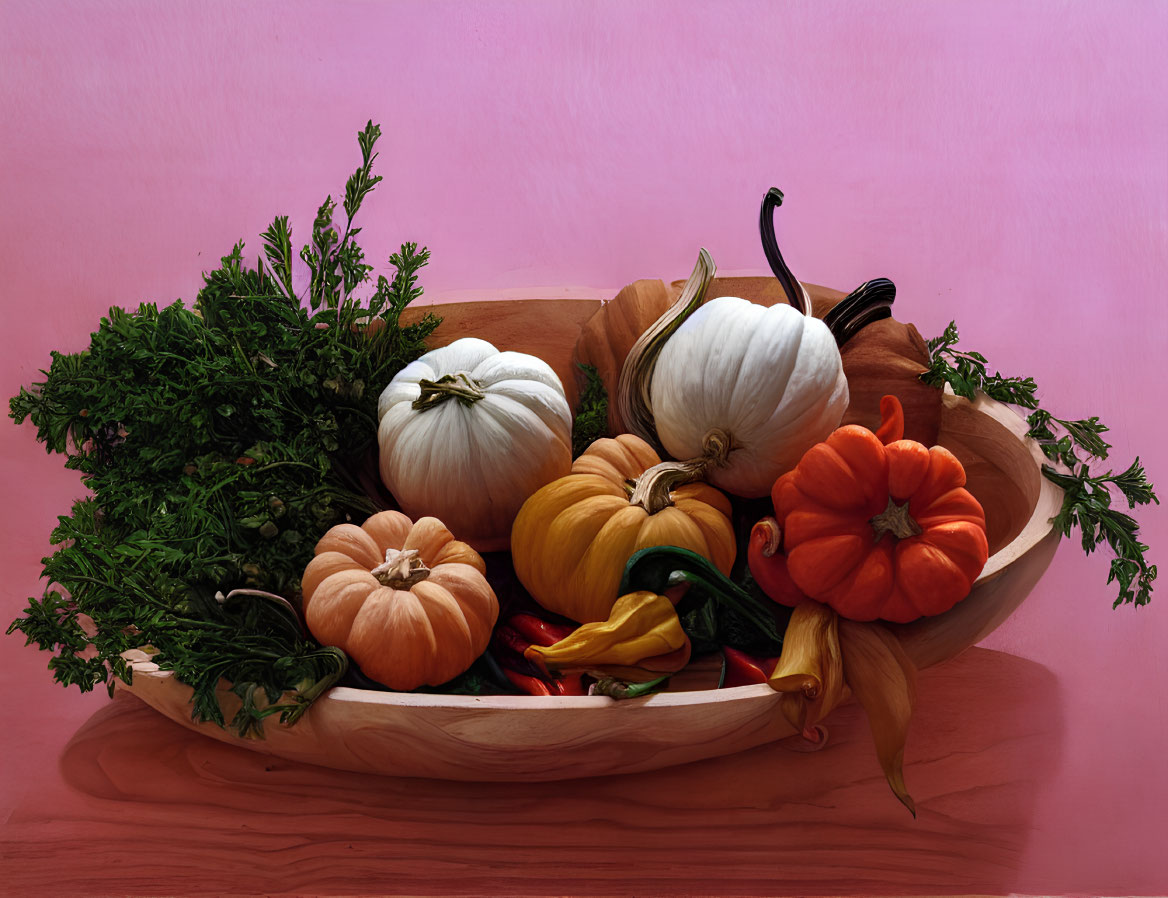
<point x="652" y="489"/>
<point x="891" y="420"/>
<point x="401" y="569"/>
<point x="896" y="520"/>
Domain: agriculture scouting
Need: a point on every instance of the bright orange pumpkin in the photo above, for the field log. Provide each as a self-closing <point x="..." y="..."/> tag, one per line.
<point x="572" y="537"/>
<point x="876" y="526"/>
<point x="406" y="601"/>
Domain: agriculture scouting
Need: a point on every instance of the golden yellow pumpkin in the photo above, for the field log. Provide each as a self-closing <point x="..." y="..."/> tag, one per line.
<point x="572" y="538"/>
<point x="406" y="601"/>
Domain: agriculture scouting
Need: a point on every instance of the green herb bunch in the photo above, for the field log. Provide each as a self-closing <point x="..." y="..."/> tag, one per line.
<point x="1075" y="445"/>
<point x="219" y="443"/>
<point x="591" y="421"/>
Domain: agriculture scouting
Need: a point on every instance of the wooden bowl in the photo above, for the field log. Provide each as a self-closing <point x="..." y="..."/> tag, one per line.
<point x="548" y="738"/>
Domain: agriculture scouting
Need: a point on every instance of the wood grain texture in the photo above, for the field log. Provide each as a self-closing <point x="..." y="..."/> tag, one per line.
<point x="158" y="810"/>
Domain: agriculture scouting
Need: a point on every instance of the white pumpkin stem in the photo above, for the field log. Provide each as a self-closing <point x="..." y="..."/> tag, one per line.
<point x="636" y="377"/>
<point x="653" y="488"/>
<point x="458" y="386"/>
<point x="401" y="569"/>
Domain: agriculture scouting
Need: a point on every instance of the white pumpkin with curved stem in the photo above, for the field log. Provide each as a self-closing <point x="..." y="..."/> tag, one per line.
<point x="466" y="433"/>
<point x="737" y="390"/>
<point x="768" y="381"/>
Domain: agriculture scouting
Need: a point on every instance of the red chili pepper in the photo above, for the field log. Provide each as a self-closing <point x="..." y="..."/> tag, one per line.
<point x="244" y="460"/>
<point x="508" y="638"/>
<point x="570" y="684"/>
<point x="530" y="685"/>
<point x="744" y="670"/>
<point x="537" y="630"/>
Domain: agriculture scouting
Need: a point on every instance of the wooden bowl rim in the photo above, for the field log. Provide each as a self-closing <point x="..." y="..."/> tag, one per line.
<point x="1049" y="499"/>
<point x="349" y="694"/>
<point x="1039" y="526"/>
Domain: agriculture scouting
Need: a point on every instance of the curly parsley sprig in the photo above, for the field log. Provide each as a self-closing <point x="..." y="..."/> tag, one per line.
<point x="219" y="443"/>
<point x="591" y="419"/>
<point x="1073" y="444"/>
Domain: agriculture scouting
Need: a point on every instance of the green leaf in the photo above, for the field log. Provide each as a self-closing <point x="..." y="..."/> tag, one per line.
<point x="1087" y="498"/>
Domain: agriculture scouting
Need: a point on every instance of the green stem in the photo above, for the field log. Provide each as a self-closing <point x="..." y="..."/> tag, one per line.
<point x="619" y="689"/>
<point x="660" y="567"/>
<point x="305" y="697"/>
<point x="279" y="601"/>
<point x="729" y="594"/>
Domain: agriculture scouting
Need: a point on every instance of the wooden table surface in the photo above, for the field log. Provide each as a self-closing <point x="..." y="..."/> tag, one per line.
<point x="142" y="806"/>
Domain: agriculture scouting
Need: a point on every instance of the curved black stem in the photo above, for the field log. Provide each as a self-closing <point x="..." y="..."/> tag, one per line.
<point x="770" y="246"/>
<point x="869" y="302"/>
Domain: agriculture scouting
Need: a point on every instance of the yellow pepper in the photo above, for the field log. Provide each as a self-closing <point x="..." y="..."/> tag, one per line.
<point x="641" y="640"/>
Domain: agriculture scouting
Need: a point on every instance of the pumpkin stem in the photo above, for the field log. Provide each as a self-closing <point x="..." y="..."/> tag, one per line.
<point x="651" y="490"/>
<point x="796" y="294"/>
<point x="636" y="377"/>
<point x="871" y="301"/>
<point x="896" y="520"/>
<point x="716" y="446"/>
<point x="401" y="569"/>
<point x="458" y="386"/>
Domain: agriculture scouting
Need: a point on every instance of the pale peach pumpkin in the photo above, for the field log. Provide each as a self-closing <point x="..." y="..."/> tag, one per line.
<point x="406" y="601"/>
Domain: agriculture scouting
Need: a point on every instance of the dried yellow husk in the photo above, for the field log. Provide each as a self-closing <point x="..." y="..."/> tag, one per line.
<point x="810" y="669"/>
<point x="825" y="659"/>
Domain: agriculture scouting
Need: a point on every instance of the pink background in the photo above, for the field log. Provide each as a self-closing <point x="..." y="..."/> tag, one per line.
<point x="1005" y="164"/>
